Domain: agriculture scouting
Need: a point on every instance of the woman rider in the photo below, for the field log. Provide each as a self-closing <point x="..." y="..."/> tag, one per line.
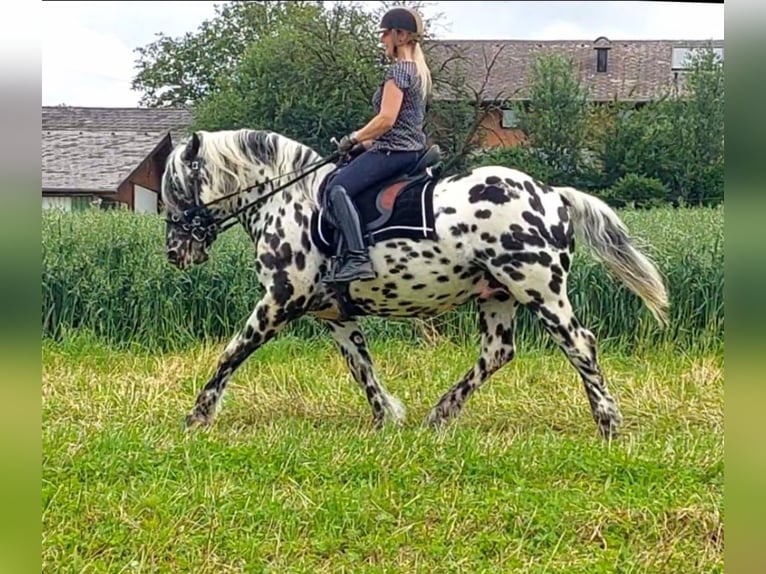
<point x="392" y="141"/>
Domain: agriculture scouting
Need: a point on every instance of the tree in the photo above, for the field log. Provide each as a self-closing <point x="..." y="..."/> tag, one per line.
<point x="555" y="118"/>
<point x="311" y="78"/>
<point x="301" y="68"/>
<point x="700" y="129"/>
<point x="677" y="139"/>
<point x="180" y="71"/>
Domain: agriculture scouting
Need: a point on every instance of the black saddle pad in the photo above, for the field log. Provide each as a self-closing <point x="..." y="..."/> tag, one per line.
<point x="411" y="216"/>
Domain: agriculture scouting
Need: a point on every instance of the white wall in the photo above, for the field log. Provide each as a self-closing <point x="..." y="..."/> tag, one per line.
<point x="145" y="200"/>
<point x="57" y="202"/>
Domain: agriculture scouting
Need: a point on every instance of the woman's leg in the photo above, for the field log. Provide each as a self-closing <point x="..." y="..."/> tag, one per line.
<point x="366" y="170"/>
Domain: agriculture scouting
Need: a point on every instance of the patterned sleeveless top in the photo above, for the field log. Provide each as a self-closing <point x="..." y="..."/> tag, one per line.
<point x="407" y="132"/>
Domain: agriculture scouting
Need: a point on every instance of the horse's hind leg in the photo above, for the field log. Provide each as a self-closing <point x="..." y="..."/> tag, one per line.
<point x="350" y="339"/>
<point x="579" y="346"/>
<point x="266" y="320"/>
<point x="497" y="324"/>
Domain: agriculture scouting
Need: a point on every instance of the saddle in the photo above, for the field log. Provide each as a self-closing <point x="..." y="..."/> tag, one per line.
<point x="401" y="206"/>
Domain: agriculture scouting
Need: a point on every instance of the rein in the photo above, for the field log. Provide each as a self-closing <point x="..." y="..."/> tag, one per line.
<point x="200" y="223"/>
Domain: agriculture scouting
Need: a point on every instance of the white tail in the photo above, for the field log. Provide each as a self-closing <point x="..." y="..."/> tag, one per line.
<point x="608" y="237"/>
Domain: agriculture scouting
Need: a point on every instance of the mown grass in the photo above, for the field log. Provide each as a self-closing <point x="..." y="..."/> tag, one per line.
<point x="292" y="479"/>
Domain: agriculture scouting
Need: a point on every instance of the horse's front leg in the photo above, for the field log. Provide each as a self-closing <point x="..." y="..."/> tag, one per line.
<point x="266" y="320"/>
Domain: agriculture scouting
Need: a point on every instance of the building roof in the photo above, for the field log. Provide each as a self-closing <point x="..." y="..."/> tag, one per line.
<point x="115" y="119"/>
<point x="96" y="149"/>
<point x="74" y="160"/>
<point x="638" y="70"/>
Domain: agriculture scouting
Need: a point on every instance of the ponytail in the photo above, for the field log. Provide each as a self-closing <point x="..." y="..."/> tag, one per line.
<point x="423" y="72"/>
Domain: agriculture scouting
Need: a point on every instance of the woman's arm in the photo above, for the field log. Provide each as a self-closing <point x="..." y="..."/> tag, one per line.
<point x="390" y="105"/>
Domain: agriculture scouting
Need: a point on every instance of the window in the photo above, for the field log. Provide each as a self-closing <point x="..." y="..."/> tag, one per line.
<point x="680" y="55"/>
<point x="510" y="119"/>
<point x="601" y="58"/>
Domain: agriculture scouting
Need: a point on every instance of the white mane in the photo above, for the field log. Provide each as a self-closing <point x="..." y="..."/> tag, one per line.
<point x="236" y="159"/>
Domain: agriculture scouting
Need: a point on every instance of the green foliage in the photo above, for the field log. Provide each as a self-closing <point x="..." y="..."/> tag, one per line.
<point x="517" y="157"/>
<point x="106" y="273"/>
<point x="700" y="131"/>
<point x="677" y="140"/>
<point x="181" y="71"/>
<point x="311" y="79"/>
<point x="640" y="142"/>
<point x="308" y="70"/>
<point x="555" y="118"/>
<point x="637" y="190"/>
<point x="305" y="69"/>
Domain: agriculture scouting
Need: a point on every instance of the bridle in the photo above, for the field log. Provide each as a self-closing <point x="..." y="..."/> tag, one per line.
<point x="199" y="221"/>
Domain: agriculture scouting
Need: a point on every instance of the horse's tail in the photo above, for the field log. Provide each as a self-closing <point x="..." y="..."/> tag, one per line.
<point x="608" y="237"/>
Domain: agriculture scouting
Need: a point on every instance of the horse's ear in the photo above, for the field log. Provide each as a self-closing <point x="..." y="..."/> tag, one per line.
<point x="192" y="148"/>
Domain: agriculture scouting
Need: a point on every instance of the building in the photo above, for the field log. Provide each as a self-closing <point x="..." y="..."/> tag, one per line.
<point x="107" y="156"/>
<point x="115" y="156"/>
<point x="634" y="71"/>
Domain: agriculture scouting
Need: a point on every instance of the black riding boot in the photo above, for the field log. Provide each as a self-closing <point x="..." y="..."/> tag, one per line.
<point x="356" y="264"/>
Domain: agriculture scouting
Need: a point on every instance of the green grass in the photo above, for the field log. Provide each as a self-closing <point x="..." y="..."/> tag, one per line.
<point x="292" y="479"/>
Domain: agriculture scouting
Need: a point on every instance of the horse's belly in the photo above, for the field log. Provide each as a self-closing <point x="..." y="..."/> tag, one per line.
<point x="414" y="279"/>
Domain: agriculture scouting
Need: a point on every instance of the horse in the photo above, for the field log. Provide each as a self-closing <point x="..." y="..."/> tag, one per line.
<point x="493" y="234"/>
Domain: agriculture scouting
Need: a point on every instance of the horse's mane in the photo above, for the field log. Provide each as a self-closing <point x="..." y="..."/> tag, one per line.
<point x="234" y="158"/>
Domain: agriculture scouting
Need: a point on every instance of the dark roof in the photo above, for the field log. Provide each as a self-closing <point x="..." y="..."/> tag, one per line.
<point x="96" y="149"/>
<point x="115" y="119"/>
<point x="638" y="70"/>
<point x="75" y="160"/>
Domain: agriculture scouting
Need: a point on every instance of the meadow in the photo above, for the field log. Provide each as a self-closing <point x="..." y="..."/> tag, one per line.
<point x="292" y="478"/>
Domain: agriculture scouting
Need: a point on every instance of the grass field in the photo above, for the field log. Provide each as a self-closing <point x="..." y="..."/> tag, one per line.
<point x="292" y="478"/>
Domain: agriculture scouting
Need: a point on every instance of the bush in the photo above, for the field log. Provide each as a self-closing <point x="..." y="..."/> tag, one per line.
<point x="555" y="121"/>
<point x="517" y="157"/>
<point x="638" y="191"/>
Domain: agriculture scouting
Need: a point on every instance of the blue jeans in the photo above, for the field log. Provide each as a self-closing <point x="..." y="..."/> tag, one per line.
<point x="372" y="167"/>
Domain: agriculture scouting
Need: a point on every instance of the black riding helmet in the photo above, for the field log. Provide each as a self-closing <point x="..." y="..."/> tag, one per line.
<point x="402" y="19"/>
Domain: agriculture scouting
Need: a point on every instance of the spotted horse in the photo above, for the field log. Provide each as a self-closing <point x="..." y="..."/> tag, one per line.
<point x="499" y="238"/>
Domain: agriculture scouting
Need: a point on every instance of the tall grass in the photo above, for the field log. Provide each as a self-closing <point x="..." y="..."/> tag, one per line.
<point x="106" y="273"/>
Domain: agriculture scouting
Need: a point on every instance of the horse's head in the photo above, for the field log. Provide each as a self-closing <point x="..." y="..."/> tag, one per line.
<point x="215" y="175"/>
<point x="193" y="178"/>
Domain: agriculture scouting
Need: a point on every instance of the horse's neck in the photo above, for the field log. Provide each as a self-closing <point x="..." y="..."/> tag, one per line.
<point x="269" y="196"/>
<point x="274" y="204"/>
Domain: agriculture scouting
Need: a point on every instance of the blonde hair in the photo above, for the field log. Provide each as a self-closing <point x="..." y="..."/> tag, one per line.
<point x="417" y="53"/>
<point x="423" y="72"/>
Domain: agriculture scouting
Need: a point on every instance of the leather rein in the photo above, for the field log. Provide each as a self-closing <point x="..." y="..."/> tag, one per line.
<point x="200" y="223"/>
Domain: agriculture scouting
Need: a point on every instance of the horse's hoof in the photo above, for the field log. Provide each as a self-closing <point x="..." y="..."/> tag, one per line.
<point x="608" y="430"/>
<point x="435" y="419"/>
<point x="195" y="419"/>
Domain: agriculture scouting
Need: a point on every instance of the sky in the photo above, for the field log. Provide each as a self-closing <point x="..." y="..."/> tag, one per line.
<point x="88" y="47"/>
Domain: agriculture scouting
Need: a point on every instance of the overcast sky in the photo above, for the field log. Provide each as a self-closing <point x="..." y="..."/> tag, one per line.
<point x="88" y="47"/>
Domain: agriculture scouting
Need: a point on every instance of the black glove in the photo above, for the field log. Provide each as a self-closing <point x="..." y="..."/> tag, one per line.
<point x="346" y="143"/>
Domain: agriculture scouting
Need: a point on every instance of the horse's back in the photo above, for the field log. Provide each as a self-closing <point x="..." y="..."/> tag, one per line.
<point x="491" y="201"/>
